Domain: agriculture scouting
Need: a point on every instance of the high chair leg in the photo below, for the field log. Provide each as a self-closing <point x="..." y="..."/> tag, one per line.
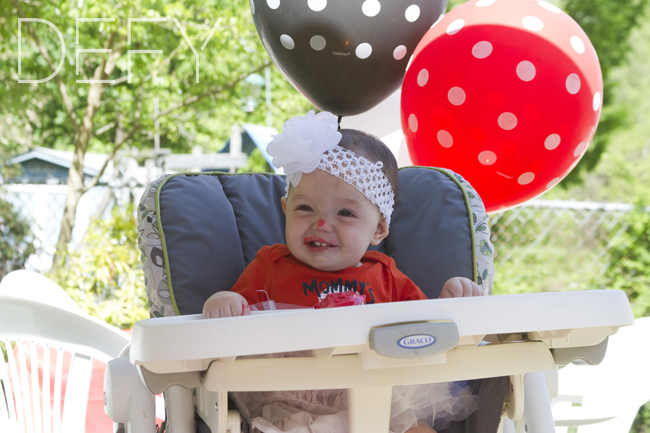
<point x="538" y="416"/>
<point x="369" y="409"/>
<point x="179" y="403"/>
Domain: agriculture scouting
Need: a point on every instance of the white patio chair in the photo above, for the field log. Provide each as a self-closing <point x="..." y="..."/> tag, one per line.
<point x="605" y="398"/>
<point x="40" y="323"/>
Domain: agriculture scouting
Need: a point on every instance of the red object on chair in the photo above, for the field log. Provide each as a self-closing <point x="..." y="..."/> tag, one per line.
<point x="505" y="92"/>
<point x="344" y="299"/>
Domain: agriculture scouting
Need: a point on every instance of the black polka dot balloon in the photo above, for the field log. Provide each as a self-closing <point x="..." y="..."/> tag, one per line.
<point x="345" y="56"/>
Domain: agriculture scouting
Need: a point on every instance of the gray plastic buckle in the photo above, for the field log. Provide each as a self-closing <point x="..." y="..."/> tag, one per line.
<point x="412" y="340"/>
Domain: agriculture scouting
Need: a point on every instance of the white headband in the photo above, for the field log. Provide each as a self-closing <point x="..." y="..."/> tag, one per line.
<point x="310" y="142"/>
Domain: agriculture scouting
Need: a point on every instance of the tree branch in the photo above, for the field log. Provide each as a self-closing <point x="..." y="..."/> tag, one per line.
<point x="62" y="87"/>
<point x="137" y="125"/>
<point x="150" y="76"/>
<point x="216" y="91"/>
<point x="119" y="142"/>
<point x="105" y="128"/>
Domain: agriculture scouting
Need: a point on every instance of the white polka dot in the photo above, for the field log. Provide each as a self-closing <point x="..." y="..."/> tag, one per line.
<point x="487" y="157"/>
<point x="412" y="13"/>
<point x="596" y="102"/>
<point x="549" y="7"/>
<point x="317" y="42"/>
<point x="423" y="77"/>
<point x="273" y="4"/>
<point x="455" y="27"/>
<point x="553" y="182"/>
<point x="507" y="121"/>
<point x="456" y="96"/>
<point x="252" y="7"/>
<point x="287" y="42"/>
<point x="363" y="50"/>
<point x="526" y="178"/>
<point x="482" y="49"/>
<point x="579" y="149"/>
<point x="577" y="44"/>
<point x="399" y="52"/>
<point x="413" y="123"/>
<point x="533" y="24"/>
<point x="552" y="141"/>
<point x="526" y="70"/>
<point x="317" y="5"/>
<point x="445" y="139"/>
<point x="370" y="8"/>
<point x="573" y="84"/>
<point x="483" y="3"/>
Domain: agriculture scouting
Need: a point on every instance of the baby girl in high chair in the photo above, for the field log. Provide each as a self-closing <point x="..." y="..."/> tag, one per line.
<point x="341" y="186"/>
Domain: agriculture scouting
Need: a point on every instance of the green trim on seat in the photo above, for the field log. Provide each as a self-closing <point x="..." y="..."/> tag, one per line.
<point x="163" y="244"/>
<point x="469" y="212"/>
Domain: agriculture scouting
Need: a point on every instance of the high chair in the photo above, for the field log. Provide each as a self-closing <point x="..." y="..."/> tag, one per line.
<point x="199" y="231"/>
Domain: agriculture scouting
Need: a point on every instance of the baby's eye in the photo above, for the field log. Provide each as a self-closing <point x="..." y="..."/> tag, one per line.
<point x="304" y="207"/>
<point x="346" y="213"/>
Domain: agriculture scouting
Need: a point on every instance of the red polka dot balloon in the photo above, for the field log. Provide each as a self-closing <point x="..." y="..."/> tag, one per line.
<point x="505" y="92"/>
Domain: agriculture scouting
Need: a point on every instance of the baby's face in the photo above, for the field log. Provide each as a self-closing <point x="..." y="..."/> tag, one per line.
<point x="330" y="224"/>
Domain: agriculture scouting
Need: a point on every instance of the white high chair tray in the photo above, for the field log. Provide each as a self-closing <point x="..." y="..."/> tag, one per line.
<point x="554" y="320"/>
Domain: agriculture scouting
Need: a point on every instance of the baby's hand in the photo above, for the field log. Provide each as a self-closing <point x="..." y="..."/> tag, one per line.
<point x="459" y="287"/>
<point x="225" y="304"/>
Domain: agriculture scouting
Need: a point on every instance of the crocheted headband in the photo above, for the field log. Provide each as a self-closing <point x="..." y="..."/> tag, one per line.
<point x="310" y="142"/>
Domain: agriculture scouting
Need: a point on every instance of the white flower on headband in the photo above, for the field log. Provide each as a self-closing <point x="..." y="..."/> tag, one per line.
<point x="302" y="143"/>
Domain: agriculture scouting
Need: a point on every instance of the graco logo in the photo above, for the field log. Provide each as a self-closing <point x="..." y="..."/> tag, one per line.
<point x="417" y="341"/>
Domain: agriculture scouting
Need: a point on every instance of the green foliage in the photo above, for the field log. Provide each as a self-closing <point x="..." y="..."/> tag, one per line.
<point x="16" y="239"/>
<point x="608" y="25"/>
<point x="104" y="276"/>
<point x="642" y="421"/>
<point x="256" y="164"/>
<point x="629" y="269"/>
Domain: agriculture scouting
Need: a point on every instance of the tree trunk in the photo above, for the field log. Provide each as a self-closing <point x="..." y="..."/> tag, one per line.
<point x="82" y="138"/>
<point x="75" y="191"/>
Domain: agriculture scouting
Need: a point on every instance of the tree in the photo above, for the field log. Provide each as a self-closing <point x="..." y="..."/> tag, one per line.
<point x="198" y="86"/>
<point x="608" y="25"/>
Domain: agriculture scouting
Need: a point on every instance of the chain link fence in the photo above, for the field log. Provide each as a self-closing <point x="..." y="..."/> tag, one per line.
<point x="42" y="206"/>
<point x="557" y="245"/>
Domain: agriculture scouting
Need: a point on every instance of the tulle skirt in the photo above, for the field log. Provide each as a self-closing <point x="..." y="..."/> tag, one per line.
<point x="325" y="411"/>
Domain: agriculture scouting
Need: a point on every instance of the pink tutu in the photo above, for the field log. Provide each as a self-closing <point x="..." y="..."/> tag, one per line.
<point x="325" y="411"/>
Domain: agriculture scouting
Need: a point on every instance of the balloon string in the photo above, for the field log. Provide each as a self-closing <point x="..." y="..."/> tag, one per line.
<point x="340" y="117"/>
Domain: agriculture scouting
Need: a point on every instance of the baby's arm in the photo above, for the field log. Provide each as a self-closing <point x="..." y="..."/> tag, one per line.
<point x="225" y="304"/>
<point x="459" y="287"/>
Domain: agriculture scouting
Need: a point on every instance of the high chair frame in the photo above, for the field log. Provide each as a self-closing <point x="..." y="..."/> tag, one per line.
<point x="196" y="361"/>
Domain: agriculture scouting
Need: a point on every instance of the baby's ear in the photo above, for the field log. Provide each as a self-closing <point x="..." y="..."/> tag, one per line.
<point x="381" y="232"/>
<point x="284" y="204"/>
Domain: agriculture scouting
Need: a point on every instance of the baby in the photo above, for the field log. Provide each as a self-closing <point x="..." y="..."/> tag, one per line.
<point x="340" y="194"/>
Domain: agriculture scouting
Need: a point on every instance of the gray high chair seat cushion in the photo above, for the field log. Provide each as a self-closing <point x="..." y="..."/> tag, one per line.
<point x="208" y="227"/>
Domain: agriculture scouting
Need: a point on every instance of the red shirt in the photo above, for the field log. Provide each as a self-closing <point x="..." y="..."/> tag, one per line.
<point x="289" y="281"/>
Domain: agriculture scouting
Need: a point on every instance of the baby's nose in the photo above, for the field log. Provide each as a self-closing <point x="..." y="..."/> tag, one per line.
<point x="321" y="224"/>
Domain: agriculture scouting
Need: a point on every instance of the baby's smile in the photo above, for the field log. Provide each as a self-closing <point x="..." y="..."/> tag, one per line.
<point x="317" y="244"/>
